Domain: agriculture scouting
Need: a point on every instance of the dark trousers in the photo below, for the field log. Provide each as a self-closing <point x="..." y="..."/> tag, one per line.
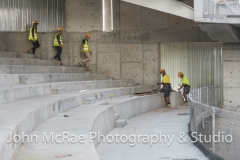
<point x="59" y="51"/>
<point x="35" y="46"/>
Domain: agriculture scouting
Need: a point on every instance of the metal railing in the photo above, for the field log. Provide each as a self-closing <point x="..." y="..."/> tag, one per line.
<point x="217" y="11"/>
<point x="208" y="122"/>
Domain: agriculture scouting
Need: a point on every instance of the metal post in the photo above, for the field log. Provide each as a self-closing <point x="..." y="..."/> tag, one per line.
<point x="215" y="95"/>
<point x="198" y="95"/>
<point x="213" y="127"/>
<point x="214" y="9"/>
<point x="207" y="94"/>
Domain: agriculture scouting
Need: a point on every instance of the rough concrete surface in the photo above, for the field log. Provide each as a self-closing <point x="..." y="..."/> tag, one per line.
<point x="164" y="120"/>
<point x="134" y="27"/>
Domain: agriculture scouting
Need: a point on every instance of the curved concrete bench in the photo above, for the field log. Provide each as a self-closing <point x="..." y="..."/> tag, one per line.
<point x="26" y="115"/>
<point x="81" y="121"/>
<point x="22" y="92"/>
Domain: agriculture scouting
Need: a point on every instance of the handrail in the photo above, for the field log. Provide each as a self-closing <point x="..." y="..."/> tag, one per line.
<point x="209" y="120"/>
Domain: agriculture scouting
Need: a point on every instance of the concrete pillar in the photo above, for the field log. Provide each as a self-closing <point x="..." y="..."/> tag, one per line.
<point x="107" y="15"/>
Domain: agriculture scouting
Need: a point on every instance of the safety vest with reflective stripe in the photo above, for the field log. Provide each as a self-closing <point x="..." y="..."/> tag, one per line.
<point x="86" y="47"/>
<point x="55" y="42"/>
<point x="30" y="34"/>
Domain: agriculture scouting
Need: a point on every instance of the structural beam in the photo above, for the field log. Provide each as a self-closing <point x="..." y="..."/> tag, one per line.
<point x="169" y="6"/>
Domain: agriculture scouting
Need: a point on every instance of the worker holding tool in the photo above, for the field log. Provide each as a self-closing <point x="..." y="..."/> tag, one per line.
<point x="166" y="86"/>
<point x="186" y="85"/>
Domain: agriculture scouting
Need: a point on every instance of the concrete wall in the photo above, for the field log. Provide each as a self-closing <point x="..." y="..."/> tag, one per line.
<point x="231" y="74"/>
<point x="130" y="51"/>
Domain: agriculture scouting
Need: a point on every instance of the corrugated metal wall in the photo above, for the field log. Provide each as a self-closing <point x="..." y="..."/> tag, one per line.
<point x="17" y="15"/>
<point x="200" y="62"/>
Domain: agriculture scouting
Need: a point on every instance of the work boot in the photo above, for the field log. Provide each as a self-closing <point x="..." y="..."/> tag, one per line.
<point x="186" y="103"/>
<point x="80" y="63"/>
<point x="87" y="69"/>
<point x="54" y="59"/>
<point x="168" y="105"/>
<point x="30" y="51"/>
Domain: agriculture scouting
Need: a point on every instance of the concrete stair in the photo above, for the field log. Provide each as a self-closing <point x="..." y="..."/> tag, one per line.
<point x="16" y="55"/>
<point x="26" y="115"/>
<point x="27" y="61"/>
<point x="25" y="69"/>
<point x="22" y="92"/>
<point x="120" y="123"/>
<point x="34" y="90"/>
<point x="82" y="120"/>
<point x="59" y="77"/>
<point x="9" y="79"/>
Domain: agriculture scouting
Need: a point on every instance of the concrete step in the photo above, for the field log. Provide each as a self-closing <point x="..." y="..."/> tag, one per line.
<point x="26" y="61"/>
<point x="25" y="69"/>
<point x="89" y="100"/>
<point x="9" y="79"/>
<point x="16" y="55"/>
<point x="59" y="77"/>
<point x="83" y="85"/>
<point x="133" y="84"/>
<point x="120" y="123"/>
<point x="116" y="117"/>
<point x="23" y="91"/>
<point x="81" y="120"/>
<point x="25" y="116"/>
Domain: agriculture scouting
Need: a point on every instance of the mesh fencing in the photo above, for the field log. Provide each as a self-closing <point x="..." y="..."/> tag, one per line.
<point x="217" y="130"/>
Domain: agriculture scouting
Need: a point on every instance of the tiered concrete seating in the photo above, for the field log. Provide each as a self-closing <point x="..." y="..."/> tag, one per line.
<point x="97" y="118"/>
<point x="32" y="91"/>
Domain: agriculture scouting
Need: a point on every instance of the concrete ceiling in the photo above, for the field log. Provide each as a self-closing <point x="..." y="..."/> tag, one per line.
<point x="168" y="6"/>
<point x="217" y="32"/>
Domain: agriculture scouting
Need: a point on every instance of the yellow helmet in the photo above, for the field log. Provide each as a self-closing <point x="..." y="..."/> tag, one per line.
<point x="162" y="70"/>
<point x="180" y="74"/>
<point x="88" y="35"/>
<point x="60" y="29"/>
<point x="35" y="22"/>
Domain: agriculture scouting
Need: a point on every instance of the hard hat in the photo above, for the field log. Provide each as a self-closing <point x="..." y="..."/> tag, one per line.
<point x="35" y="22"/>
<point x="88" y="35"/>
<point x="162" y="70"/>
<point x="180" y="74"/>
<point x="60" y="29"/>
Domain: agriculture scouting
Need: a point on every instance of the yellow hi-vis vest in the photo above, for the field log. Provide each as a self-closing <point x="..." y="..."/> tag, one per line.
<point x="85" y="47"/>
<point x="55" y="41"/>
<point x="30" y="35"/>
<point x="166" y="79"/>
<point x="185" y="81"/>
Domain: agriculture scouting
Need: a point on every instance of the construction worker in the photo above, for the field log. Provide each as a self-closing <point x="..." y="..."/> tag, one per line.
<point x="87" y="52"/>
<point x="58" y="44"/>
<point x="186" y="85"/>
<point x="166" y="86"/>
<point x="34" y="38"/>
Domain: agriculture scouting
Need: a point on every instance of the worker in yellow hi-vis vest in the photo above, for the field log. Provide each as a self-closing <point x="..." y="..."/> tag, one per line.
<point x="58" y="43"/>
<point x="186" y="85"/>
<point x="87" y="52"/>
<point x="166" y="86"/>
<point x="34" y="38"/>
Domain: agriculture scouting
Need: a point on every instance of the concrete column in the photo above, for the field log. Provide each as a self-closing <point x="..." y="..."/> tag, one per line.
<point x="107" y="15"/>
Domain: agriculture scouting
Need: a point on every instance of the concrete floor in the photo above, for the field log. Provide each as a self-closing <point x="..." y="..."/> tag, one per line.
<point x="164" y="120"/>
